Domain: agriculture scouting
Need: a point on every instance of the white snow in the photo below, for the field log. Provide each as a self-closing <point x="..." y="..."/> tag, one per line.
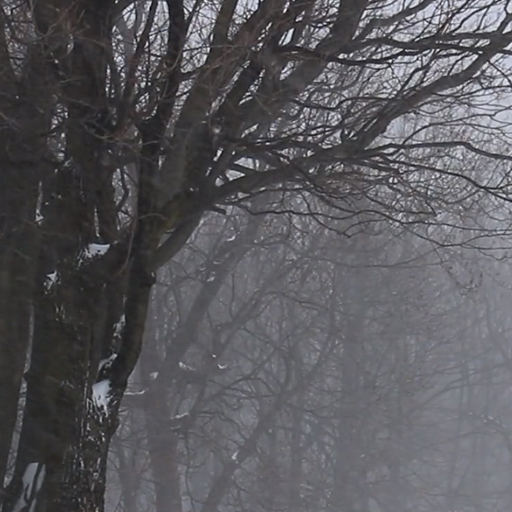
<point x="96" y="249"/>
<point x="182" y="416"/>
<point x="32" y="481"/>
<point x="51" y="279"/>
<point x="39" y="216"/>
<point x="118" y="329"/>
<point x="105" y="363"/>
<point x="233" y="175"/>
<point x="153" y="375"/>
<point x="93" y="251"/>
<point x="139" y="392"/>
<point x="185" y="367"/>
<point x="234" y="457"/>
<point x="100" y="394"/>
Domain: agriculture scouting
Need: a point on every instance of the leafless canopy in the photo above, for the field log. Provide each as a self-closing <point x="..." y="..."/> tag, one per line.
<point x="125" y="124"/>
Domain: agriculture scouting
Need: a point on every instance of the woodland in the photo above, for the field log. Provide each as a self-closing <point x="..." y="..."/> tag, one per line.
<point x="255" y="255"/>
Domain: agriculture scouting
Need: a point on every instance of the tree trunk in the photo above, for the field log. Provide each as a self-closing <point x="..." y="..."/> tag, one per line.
<point x="162" y="441"/>
<point x="73" y="392"/>
<point x="23" y="157"/>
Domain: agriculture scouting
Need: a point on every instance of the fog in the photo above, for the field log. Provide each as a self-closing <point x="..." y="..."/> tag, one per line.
<point x="255" y="255"/>
<point x="321" y="373"/>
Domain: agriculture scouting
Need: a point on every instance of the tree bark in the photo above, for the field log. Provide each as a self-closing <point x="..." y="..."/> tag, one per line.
<point x="24" y="161"/>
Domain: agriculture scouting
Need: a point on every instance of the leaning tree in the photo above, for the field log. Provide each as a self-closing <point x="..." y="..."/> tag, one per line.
<point x="125" y="123"/>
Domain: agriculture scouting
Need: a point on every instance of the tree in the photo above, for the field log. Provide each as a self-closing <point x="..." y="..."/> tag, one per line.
<point x="377" y="425"/>
<point x="126" y="124"/>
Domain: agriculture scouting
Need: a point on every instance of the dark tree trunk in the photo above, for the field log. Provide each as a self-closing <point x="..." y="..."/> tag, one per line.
<point x="162" y="441"/>
<point x="88" y="276"/>
<point x="23" y="161"/>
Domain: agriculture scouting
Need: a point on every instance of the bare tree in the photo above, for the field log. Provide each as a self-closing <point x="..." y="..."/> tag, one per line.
<point x="127" y="124"/>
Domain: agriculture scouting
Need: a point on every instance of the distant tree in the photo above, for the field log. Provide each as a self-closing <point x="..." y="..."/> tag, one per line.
<point x="384" y="422"/>
<point x="125" y="124"/>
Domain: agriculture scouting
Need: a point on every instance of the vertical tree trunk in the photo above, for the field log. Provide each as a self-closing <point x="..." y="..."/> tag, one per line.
<point x="162" y="441"/>
<point x="296" y="456"/>
<point x="61" y="420"/>
<point x="23" y="162"/>
<point x="346" y="494"/>
<point x="15" y="319"/>
<point x="163" y="452"/>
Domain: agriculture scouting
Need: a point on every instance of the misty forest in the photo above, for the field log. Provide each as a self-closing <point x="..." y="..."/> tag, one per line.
<point x="255" y="255"/>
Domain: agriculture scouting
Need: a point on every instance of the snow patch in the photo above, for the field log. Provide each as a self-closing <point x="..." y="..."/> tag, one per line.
<point x="180" y="417"/>
<point x="233" y="175"/>
<point x="50" y="280"/>
<point x="100" y="394"/>
<point x="185" y="367"/>
<point x="93" y="251"/>
<point x="39" y="215"/>
<point x="153" y="375"/>
<point x="180" y="422"/>
<point x="32" y="481"/>
<point x="135" y="393"/>
<point x="106" y="363"/>
<point x="118" y="329"/>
